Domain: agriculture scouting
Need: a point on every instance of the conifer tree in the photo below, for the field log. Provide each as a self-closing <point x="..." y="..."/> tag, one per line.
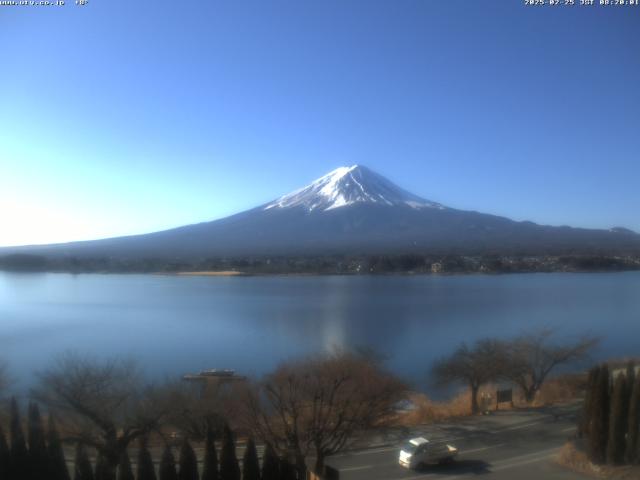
<point x="618" y="422"/>
<point x="632" y="452"/>
<point x="229" y="468"/>
<point x="210" y="467"/>
<point x="287" y="472"/>
<point x="588" y="401"/>
<point x="19" y="465"/>
<point x="599" y="427"/>
<point x="99" y="468"/>
<point x="188" y="462"/>
<point x="630" y="374"/>
<point x="57" y="465"/>
<point x="83" y="470"/>
<point x="125" y="472"/>
<point x="4" y="455"/>
<point x="168" y="465"/>
<point x="250" y="464"/>
<point x="104" y="470"/>
<point x="38" y="456"/>
<point x="145" y="469"/>
<point x="270" y="464"/>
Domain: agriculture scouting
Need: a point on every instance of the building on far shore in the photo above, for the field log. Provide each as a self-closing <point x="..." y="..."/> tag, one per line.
<point x="214" y="375"/>
<point x="214" y="379"/>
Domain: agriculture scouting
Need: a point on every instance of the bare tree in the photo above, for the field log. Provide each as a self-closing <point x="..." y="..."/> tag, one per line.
<point x="533" y="356"/>
<point x="104" y="403"/>
<point x="474" y="366"/>
<point x="188" y="411"/>
<point x="316" y="407"/>
<point x="198" y="408"/>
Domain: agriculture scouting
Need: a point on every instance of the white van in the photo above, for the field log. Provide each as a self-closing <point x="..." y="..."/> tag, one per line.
<point x="420" y="451"/>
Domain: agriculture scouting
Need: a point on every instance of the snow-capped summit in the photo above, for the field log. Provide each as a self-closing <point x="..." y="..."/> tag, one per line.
<point x="347" y="186"/>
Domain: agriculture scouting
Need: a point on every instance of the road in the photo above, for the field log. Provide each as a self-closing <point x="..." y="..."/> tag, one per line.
<point x="504" y="445"/>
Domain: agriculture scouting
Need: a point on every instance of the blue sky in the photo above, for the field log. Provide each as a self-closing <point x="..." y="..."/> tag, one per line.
<point x="125" y="117"/>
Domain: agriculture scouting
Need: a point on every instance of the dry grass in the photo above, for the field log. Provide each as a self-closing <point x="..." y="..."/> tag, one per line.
<point x="562" y="389"/>
<point x="575" y="459"/>
<point x="429" y="411"/>
<point x="558" y="390"/>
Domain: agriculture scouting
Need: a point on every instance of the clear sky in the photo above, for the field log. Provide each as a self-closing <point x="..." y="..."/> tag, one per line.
<point x="124" y="116"/>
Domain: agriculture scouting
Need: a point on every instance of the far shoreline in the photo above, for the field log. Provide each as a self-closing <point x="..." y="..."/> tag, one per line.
<point x="378" y="274"/>
<point x="234" y="273"/>
<point x="207" y="273"/>
<point x="377" y="265"/>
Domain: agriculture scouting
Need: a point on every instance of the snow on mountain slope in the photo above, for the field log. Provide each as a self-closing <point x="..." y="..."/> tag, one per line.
<point x="347" y="186"/>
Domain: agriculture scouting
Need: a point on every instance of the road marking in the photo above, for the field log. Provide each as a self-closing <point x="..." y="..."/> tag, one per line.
<point x="352" y="469"/>
<point x="475" y="450"/>
<point x="516" y="427"/>
<point x="366" y="452"/>
<point x="439" y="435"/>
<point x="365" y="467"/>
<point x="424" y="475"/>
<point x="524" y="459"/>
<point x="509" y="463"/>
<point x="494" y="467"/>
<point x="390" y="449"/>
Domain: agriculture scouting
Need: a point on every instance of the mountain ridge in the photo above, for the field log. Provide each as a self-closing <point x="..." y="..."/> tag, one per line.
<point x="350" y="210"/>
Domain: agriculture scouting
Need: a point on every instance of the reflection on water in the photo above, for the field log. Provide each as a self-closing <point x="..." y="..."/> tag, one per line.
<point x="176" y="324"/>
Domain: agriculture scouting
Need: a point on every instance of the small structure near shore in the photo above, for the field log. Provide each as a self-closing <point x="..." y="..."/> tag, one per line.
<point x="214" y="380"/>
<point x="214" y="375"/>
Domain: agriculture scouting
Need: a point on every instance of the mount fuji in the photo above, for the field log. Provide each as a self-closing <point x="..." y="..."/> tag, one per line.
<point x="348" y="186"/>
<point x="351" y="210"/>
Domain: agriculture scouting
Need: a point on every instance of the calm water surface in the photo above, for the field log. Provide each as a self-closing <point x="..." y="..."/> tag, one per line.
<point x="174" y="325"/>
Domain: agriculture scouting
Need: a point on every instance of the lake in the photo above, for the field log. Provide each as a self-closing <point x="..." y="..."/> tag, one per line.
<point x="174" y="325"/>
